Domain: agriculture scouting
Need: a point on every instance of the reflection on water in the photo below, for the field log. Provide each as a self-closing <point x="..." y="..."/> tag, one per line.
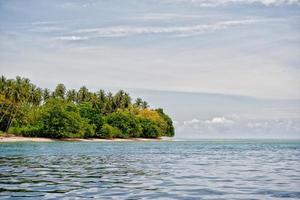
<point x="150" y="170"/>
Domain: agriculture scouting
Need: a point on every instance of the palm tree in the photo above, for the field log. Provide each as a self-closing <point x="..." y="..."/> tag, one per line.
<point x="2" y="83"/>
<point x="60" y="91"/>
<point x="145" y="105"/>
<point x="16" y="92"/>
<point x="108" y="108"/>
<point x="46" y="94"/>
<point x="71" y="95"/>
<point x="15" y="95"/>
<point x="126" y="101"/>
<point x="138" y="102"/>
<point x="117" y="100"/>
<point x="37" y="96"/>
<point x="101" y="96"/>
<point x="95" y="102"/>
<point x="2" y="89"/>
<point x="83" y="94"/>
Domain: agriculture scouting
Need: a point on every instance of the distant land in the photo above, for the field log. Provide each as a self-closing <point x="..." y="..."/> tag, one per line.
<point x="30" y="111"/>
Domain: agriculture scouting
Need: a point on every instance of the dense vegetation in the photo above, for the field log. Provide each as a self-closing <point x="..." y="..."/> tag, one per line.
<point x="28" y="110"/>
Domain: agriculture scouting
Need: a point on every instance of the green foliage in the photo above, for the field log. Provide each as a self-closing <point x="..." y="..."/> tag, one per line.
<point x="31" y="111"/>
<point x="60" y="91"/>
<point x="83" y="95"/>
<point x="121" y="100"/>
<point x="72" y="95"/>
<point x="150" y="129"/>
<point x="141" y="104"/>
<point x="107" y="131"/>
<point x="58" y="118"/>
<point x="27" y="131"/>
<point x="170" y="128"/>
<point x="93" y="116"/>
<point x="46" y="94"/>
<point x="126" y="122"/>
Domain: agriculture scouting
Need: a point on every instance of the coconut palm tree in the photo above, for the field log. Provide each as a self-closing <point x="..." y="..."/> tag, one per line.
<point x="145" y="105"/>
<point x="46" y="94"/>
<point x="60" y="91"/>
<point x="138" y="102"/>
<point x="72" y="95"/>
<point x="83" y="94"/>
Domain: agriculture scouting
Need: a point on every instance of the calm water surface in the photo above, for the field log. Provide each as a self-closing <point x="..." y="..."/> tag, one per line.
<point x="150" y="170"/>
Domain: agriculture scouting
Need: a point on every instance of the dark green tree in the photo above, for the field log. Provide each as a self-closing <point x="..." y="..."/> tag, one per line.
<point x="58" y="118"/>
<point x="72" y="96"/>
<point x="83" y="94"/>
<point x="170" y="128"/>
<point x="126" y="122"/>
<point x="94" y="117"/>
<point x="138" y="102"/>
<point x="108" y="105"/>
<point x="60" y="91"/>
<point x="46" y="94"/>
<point x="149" y="129"/>
<point x="145" y="105"/>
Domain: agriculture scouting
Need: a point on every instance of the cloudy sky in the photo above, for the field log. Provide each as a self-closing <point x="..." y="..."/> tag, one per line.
<point x="221" y="68"/>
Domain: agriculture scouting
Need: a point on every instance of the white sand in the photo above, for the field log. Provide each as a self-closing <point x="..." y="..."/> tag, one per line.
<point x="38" y="139"/>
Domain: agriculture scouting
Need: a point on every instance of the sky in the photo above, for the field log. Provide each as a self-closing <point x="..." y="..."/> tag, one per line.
<point x="220" y="68"/>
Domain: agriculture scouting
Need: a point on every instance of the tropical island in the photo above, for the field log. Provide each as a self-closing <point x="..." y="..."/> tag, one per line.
<point x="30" y="111"/>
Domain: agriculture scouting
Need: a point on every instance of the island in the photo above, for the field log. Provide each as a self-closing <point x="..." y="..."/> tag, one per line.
<point x="30" y="111"/>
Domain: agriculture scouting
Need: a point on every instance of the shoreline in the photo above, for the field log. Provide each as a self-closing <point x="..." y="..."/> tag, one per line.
<point x="40" y="139"/>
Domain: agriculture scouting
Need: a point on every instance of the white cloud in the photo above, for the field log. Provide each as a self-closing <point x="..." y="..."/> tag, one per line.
<point x="72" y="38"/>
<point x="215" y="121"/>
<point x="193" y="121"/>
<point x="211" y="3"/>
<point x="47" y="29"/>
<point x="76" y="5"/>
<point x="248" y="59"/>
<point x="165" y="16"/>
<point x="238" y="126"/>
<point x="257" y="124"/>
<point x="43" y="23"/>
<point x="122" y="31"/>
<point x="219" y="120"/>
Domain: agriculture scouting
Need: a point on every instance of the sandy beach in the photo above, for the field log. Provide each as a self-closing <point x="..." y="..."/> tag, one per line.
<point x="39" y="139"/>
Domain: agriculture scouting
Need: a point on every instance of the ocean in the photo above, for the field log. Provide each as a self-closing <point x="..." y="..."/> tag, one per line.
<point x="203" y="169"/>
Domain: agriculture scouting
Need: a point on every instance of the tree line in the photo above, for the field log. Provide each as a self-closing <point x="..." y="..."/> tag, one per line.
<point x="28" y="110"/>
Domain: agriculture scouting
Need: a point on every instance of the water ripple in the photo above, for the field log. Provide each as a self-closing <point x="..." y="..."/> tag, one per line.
<point x="150" y="170"/>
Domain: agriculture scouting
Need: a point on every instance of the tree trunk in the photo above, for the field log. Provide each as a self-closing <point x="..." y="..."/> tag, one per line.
<point x="5" y="112"/>
<point x="2" y="106"/>
<point x="10" y="120"/>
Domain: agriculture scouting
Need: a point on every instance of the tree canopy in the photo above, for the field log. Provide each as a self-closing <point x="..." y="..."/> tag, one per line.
<point x="28" y="110"/>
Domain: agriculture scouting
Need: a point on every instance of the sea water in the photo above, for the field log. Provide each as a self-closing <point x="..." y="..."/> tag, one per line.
<point x="230" y="169"/>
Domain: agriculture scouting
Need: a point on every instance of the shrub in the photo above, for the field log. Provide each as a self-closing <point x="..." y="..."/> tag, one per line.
<point x="169" y="131"/>
<point x="26" y="131"/>
<point x="93" y="115"/>
<point x="155" y="117"/>
<point x="108" y="131"/>
<point x="126" y="122"/>
<point x="150" y="129"/>
<point x="58" y="118"/>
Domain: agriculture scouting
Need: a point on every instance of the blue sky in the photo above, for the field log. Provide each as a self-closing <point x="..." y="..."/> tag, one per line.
<point x="211" y="51"/>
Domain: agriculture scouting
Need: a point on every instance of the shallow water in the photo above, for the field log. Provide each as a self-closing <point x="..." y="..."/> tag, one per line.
<point x="241" y="169"/>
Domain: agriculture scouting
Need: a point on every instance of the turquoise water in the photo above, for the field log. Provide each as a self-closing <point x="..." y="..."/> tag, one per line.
<point x="240" y="169"/>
